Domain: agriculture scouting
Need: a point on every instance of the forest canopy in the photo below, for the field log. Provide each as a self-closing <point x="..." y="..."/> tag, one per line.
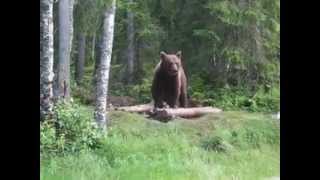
<point x="230" y="49"/>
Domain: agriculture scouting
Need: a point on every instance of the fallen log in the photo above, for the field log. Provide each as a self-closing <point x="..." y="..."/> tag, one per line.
<point x="170" y="113"/>
<point x="166" y="114"/>
<point x="143" y="108"/>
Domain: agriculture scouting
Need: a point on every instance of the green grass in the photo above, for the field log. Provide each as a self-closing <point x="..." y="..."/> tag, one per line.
<point x="231" y="145"/>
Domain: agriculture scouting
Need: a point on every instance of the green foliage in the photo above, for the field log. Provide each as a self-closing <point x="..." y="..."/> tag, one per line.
<point x="87" y="16"/>
<point x="268" y="101"/>
<point x="72" y="130"/>
<point x="238" y="44"/>
<point x="231" y="49"/>
<point x="254" y="133"/>
<point x="239" y="145"/>
<point x="49" y="144"/>
<point x="142" y="92"/>
<point x="264" y="99"/>
<point x="227" y="11"/>
<point x="216" y="144"/>
<point x="231" y="52"/>
<point x="83" y="93"/>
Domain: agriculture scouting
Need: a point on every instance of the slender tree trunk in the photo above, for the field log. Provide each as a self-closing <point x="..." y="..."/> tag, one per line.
<point x="81" y="58"/>
<point x="138" y="70"/>
<point x="71" y="6"/>
<point x="63" y="80"/>
<point x="46" y="57"/>
<point x="139" y="73"/>
<point x="257" y="54"/>
<point x="93" y="46"/>
<point x="56" y="48"/>
<point x="131" y="45"/>
<point x="97" y="60"/>
<point x="104" y="66"/>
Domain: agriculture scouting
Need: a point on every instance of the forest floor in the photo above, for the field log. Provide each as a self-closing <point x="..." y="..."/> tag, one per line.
<point x="228" y="145"/>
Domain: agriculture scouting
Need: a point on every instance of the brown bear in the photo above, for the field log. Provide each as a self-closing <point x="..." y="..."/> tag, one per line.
<point x="170" y="83"/>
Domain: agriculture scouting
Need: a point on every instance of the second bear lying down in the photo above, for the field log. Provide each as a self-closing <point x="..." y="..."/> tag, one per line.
<point x="170" y="83"/>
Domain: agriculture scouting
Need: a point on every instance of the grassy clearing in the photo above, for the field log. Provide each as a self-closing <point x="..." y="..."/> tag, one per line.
<point x="231" y="145"/>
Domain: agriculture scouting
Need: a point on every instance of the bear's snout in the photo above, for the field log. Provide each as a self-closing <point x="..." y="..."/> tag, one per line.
<point x="173" y="69"/>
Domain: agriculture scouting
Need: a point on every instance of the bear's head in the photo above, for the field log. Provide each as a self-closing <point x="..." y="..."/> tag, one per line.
<point x="171" y="63"/>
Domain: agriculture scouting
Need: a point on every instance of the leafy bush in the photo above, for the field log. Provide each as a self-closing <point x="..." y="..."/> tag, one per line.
<point x="227" y="98"/>
<point x="72" y="130"/>
<point x="235" y="98"/>
<point x="141" y="92"/>
<point x="49" y="142"/>
<point x="268" y="100"/>
<point x="217" y="144"/>
<point x="82" y="94"/>
<point x="84" y="91"/>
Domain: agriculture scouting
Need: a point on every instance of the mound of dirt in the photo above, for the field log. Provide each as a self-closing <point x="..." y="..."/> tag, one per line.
<point x="117" y="101"/>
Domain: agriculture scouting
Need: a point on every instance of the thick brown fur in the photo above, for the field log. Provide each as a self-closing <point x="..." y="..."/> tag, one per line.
<point x="170" y="83"/>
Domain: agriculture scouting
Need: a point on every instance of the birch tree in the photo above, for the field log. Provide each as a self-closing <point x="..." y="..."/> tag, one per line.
<point x="46" y="57"/>
<point x="104" y="65"/>
<point x="65" y="42"/>
<point x="131" y="43"/>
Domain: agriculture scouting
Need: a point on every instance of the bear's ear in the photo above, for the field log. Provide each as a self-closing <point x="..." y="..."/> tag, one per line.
<point x="178" y="54"/>
<point x="162" y="55"/>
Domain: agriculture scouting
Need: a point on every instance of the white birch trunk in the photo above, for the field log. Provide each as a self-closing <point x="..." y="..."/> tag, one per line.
<point x="63" y="83"/>
<point x="46" y="57"/>
<point x="104" y="66"/>
<point x="131" y="45"/>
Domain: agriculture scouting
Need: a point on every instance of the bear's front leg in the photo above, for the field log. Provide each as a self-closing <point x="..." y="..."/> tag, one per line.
<point x="158" y="100"/>
<point x="158" y="103"/>
<point x="174" y="102"/>
<point x="183" y="99"/>
<point x="177" y="94"/>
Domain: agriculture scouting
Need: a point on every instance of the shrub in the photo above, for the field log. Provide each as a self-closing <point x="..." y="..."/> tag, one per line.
<point x="49" y="142"/>
<point x="141" y="92"/>
<point x="71" y="130"/>
<point x="216" y="143"/>
<point x="83" y="94"/>
<point x="236" y="98"/>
